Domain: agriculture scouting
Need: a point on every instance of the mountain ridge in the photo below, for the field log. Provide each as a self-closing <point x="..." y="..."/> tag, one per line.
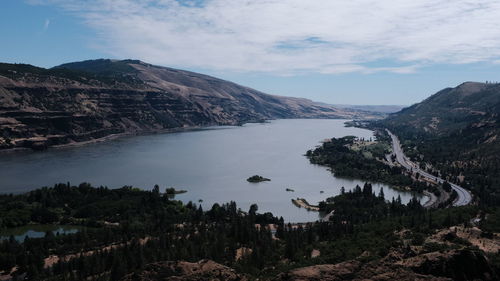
<point x="89" y="100"/>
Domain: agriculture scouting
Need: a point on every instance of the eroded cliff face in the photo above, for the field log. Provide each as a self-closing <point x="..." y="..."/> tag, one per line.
<point x="78" y="102"/>
<point x="44" y="117"/>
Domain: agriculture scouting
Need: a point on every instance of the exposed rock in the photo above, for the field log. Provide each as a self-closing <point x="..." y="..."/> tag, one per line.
<point x="461" y="264"/>
<point x="91" y="100"/>
<point x="402" y="265"/>
<point x="242" y="252"/>
<point x="315" y="253"/>
<point x="487" y="242"/>
<point x="185" y="271"/>
<point x="354" y="270"/>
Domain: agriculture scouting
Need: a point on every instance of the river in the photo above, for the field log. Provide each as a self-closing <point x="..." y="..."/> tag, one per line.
<point x="212" y="164"/>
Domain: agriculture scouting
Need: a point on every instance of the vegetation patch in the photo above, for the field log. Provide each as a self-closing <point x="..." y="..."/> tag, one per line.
<point x="148" y="227"/>
<point x="257" y="178"/>
<point x="349" y="157"/>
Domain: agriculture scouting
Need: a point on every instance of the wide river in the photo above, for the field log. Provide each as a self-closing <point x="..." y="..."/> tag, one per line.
<point x="211" y="164"/>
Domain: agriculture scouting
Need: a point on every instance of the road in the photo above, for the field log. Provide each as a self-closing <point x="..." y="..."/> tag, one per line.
<point x="327" y="216"/>
<point x="464" y="196"/>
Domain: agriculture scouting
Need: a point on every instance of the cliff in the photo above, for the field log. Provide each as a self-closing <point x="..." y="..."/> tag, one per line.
<point x="89" y="100"/>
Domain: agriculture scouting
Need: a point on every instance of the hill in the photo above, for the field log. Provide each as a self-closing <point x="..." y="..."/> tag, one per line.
<point x="84" y="101"/>
<point x="456" y="131"/>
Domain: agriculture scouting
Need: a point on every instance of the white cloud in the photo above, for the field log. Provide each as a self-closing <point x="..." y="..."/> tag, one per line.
<point x="46" y="24"/>
<point x="290" y="36"/>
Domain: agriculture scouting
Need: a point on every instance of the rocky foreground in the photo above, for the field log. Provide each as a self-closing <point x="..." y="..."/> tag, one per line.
<point x="186" y="271"/>
<point x="435" y="266"/>
<point x="407" y="263"/>
<point x="91" y="100"/>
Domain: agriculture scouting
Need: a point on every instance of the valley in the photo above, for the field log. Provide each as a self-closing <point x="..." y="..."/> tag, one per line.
<point x="93" y="100"/>
<point x="212" y="164"/>
<point x="222" y="140"/>
<point x="373" y="200"/>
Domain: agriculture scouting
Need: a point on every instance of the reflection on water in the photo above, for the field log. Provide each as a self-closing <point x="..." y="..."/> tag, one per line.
<point x="211" y="164"/>
<point x="37" y="231"/>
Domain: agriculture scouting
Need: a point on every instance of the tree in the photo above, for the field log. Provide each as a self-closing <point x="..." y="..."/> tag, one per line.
<point x="156" y="189"/>
<point x="253" y="209"/>
<point x="118" y="269"/>
<point x="381" y="193"/>
<point x="367" y="189"/>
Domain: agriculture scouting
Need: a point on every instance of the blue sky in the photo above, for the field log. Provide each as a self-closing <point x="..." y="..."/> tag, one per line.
<point x="341" y="52"/>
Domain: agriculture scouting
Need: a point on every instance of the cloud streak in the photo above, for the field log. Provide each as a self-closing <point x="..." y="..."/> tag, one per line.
<point x="46" y="25"/>
<point x="295" y="36"/>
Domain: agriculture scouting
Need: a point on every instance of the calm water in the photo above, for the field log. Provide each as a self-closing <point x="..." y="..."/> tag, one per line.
<point x="37" y="231"/>
<point x="211" y="164"/>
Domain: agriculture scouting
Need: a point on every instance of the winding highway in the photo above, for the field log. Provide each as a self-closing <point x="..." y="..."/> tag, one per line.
<point x="464" y="196"/>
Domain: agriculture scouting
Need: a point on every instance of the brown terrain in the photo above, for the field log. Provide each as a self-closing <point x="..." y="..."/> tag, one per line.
<point x="406" y="265"/>
<point x="92" y="100"/>
<point x="459" y="260"/>
<point x="399" y="266"/>
<point x="186" y="271"/>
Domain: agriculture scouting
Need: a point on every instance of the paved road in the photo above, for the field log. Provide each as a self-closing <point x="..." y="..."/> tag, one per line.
<point x="464" y="196"/>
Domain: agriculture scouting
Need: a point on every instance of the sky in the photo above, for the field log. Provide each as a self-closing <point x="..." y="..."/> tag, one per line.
<point x="333" y="51"/>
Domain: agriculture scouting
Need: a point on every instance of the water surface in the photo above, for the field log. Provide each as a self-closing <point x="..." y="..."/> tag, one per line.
<point x="211" y="164"/>
<point x="37" y="231"/>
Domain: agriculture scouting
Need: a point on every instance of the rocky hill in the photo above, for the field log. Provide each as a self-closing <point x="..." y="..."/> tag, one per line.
<point x="186" y="271"/>
<point x="457" y="131"/>
<point x="409" y="264"/>
<point x="89" y="100"/>
<point x="406" y="265"/>
<point x="467" y="107"/>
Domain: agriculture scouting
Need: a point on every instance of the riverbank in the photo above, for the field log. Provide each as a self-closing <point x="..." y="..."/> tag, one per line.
<point x="98" y="140"/>
<point x="125" y="134"/>
<point x="212" y="164"/>
<point x="302" y="203"/>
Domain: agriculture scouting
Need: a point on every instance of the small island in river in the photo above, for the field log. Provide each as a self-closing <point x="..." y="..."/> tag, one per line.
<point x="257" y="178"/>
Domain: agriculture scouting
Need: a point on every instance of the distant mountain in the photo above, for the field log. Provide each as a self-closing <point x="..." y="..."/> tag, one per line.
<point x="84" y="101"/>
<point x="372" y="108"/>
<point x="457" y="130"/>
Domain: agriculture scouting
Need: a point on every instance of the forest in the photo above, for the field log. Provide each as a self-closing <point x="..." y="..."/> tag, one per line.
<point x="346" y="162"/>
<point x="128" y="228"/>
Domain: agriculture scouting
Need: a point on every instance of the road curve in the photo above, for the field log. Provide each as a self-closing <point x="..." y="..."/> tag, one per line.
<point x="464" y="196"/>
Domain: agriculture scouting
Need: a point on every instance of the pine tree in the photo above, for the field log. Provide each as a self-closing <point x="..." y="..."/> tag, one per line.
<point x="381" y="193"/>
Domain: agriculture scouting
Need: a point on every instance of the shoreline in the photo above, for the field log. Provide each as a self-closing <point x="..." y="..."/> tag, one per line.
<point x="150" y="132"/>
<point x="118" y="136"/>
<point x="302" y="203"/>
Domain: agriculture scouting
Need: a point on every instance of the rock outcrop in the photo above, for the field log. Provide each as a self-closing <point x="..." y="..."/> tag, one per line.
<point x="186" y="271"/>
<point x="457" y="265"/>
